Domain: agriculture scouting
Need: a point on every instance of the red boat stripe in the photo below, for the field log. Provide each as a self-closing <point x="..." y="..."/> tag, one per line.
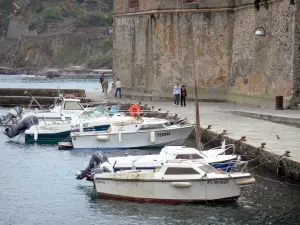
<point x="152" y="200"/>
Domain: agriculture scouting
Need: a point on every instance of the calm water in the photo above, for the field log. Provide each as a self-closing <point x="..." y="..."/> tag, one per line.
<point x="38" y="186"/>
<point x="16" y="81"/>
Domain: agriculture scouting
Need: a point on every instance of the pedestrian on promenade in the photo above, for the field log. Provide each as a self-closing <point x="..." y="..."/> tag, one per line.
<point x="183" y="95"/>
<point x="118" y="88"/>
<point x="102" y="77"/>
<point x="105" y="87"/>
<point x="176" y="93"/>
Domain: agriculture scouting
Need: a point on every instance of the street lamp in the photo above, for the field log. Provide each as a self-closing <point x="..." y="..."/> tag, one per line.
<point x="259" y="31"/>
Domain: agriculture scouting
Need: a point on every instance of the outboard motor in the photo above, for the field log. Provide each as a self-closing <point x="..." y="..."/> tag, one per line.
<point x="13" y="113"/>
<point x="98" y="158"/>
<point x="25" y="124"/>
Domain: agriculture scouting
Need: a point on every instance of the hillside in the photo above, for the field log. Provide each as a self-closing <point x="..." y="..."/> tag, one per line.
<point x="56" y="33"/>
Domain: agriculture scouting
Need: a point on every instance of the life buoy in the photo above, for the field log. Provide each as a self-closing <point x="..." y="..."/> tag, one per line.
<point x="135" y="110"/>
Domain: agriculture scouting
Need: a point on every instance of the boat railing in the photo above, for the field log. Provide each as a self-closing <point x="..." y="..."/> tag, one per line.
<point x="225" y="147"/>
<point x="232" y="166"/>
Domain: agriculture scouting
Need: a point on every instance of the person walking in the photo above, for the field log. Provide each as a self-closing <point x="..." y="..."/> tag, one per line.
<point x="118" y="88"/>
<point x="102" y="77"/>
<point x="176" y="93"/>
<point x="183" y="95"/>
<point x="105" y="87"/>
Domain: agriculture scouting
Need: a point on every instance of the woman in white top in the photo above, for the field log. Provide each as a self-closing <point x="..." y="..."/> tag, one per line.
<point x="176" y="93"/>
<point x="118" y="88"/>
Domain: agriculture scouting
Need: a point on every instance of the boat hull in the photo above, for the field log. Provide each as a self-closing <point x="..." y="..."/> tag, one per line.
<point x="166" y="191"/>
<point x="142" y="139"/>
<point x="55" y="135"/>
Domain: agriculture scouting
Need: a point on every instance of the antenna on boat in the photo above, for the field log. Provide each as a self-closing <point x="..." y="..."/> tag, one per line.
<point x="198" y="135"/>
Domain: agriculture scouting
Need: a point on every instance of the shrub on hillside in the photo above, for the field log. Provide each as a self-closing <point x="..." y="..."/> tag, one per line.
<point x="52" y="14"/>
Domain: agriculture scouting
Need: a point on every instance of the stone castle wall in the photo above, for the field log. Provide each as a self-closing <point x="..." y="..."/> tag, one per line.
<point x="158" y="43"/>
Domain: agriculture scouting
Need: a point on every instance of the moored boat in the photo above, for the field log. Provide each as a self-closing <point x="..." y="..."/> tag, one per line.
<point x="97" y="119"/>
<point x="133" y="132"/>
<point x="176" y="181"/>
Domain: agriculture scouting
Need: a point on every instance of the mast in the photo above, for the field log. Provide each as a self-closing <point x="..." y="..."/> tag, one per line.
<point x="198" y="135"/>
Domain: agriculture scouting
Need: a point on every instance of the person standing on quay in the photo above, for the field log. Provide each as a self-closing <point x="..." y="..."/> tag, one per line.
<point x="118" y="88"/>
<point x="183" y="95"/>
<point x="176" y="93"/>
<point x="102" y="77"/>
<point x="105" y="87"/>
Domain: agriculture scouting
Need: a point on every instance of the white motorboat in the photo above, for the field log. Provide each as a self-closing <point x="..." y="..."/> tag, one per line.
<point x="64" y="109"/>
<point x="215" y="157"/>
<point x="132" y="132"/>
<point x="97" y="119"/>
<point x="175" y="181"/>
<point x="150" y="162"/>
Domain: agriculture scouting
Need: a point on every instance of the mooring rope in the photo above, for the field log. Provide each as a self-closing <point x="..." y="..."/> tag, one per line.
<point x="277" y="181"/>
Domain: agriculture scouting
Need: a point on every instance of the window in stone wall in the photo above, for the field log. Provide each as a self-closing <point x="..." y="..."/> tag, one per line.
<point x="133" y="3"/>
<point x="188" y="1"/>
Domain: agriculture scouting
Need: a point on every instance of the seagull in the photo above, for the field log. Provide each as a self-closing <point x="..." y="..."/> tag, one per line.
<point x="277" y="136"/>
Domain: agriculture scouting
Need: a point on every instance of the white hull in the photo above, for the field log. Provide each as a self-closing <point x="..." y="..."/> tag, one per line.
<point x="169" y="190"/>
<point x="172" y="135"/>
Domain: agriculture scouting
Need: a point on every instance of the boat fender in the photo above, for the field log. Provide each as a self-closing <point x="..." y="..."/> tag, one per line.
<point x="35" y="133"/>
<point x="120" y="137"/>
<point x="181" y="184"/>
<point x="152" y="137"/>
<point x="102" y="138"/>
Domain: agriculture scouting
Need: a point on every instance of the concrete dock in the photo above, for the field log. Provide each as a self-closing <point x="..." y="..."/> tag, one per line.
<point x="10" y="97"/>
<point x="279" y="138"/>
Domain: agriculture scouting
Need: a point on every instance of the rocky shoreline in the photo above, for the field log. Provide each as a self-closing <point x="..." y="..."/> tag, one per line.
<point x="18" y="71"/>
<point x="50" y="73"/>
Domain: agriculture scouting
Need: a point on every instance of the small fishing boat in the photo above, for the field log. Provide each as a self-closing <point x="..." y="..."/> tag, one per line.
<point x="97" y="119"/>
<point x="177" y="181"/>
<point x="150" y="162"/>
<point x="63" y="109"/>
<point x="132" y="132"/>
<point x="215" y="157"/>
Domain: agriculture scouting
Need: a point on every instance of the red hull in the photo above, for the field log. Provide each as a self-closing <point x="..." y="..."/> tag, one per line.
<point x="152" y="200"/>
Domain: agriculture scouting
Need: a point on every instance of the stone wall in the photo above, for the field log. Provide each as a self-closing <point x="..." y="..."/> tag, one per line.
<point x="154" y="51"/>
<point x="157" y="42"/>
<point x="263" y="65"/>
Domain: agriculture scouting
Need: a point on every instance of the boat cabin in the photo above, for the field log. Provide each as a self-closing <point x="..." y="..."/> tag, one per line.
<point x="175" y="169"/>
<point x="121" y="123"/>
<point x="180" y="152"/>
<point x="68" y="104"/>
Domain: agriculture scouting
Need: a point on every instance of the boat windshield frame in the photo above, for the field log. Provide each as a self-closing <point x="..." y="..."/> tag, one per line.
<point x="90" y="113"/>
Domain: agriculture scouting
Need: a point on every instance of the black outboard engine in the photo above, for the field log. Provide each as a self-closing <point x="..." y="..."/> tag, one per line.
<point x="25" y="124"/>
<point x="12" y="114"/>
<point x="97" y="159"/>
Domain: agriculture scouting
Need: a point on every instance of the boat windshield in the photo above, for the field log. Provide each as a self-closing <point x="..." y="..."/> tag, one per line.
<point x="188" y="156"/>
<point x="180" y="171"/>
<point x="95" y="113"/>
<point x="207" y="169"/>
<point x="151" y="126"/>
<point x="72" y="106"/>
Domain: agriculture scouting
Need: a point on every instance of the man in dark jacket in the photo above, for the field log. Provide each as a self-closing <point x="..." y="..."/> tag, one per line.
<point x="102" y="77"/>
<point x="183" y="95"/>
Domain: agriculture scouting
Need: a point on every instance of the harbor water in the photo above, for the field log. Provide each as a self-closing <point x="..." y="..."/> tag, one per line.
<point x="25" y="81"/>
<point x="38" y="186"/>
